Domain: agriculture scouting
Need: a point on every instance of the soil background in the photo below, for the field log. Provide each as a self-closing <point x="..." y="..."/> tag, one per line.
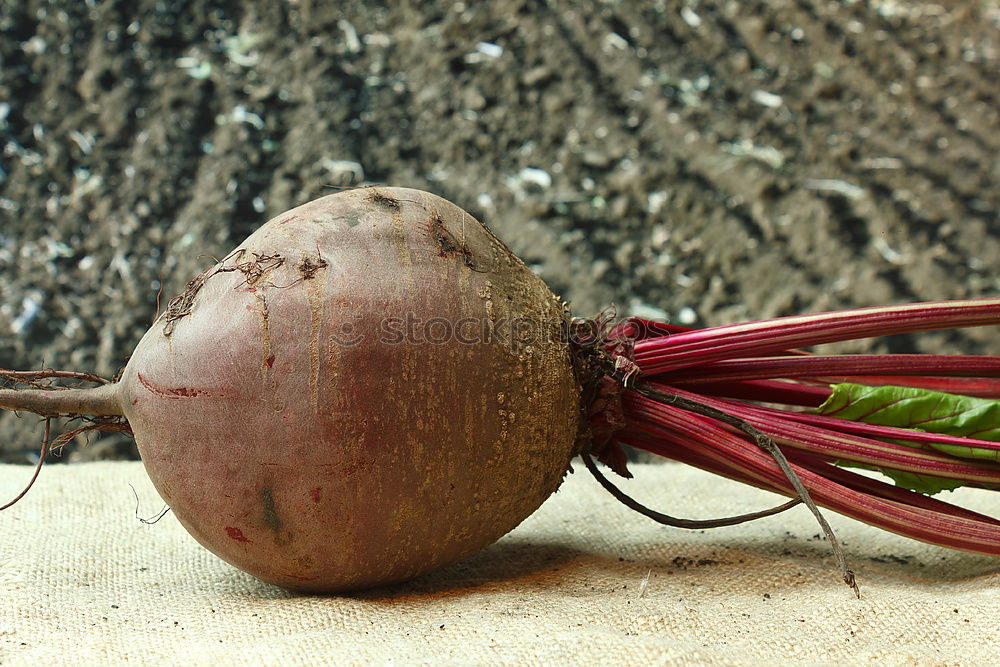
<point x="704" y="162"/>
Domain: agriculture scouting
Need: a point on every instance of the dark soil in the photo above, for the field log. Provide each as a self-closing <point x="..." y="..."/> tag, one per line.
<point x="717" y="161"/>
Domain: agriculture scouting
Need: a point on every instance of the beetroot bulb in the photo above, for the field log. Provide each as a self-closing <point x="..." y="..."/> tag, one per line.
<point x="372" y="386"/>
<point x="300" y="432"/>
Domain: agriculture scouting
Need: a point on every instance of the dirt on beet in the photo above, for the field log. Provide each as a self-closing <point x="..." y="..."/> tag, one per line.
<point x="703" y="162"/>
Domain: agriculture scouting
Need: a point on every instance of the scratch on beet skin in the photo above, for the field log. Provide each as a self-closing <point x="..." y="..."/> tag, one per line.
<point x="265" y="334"/>
<point x="236" y="534"/>
<point x="300" y="577"/>
<point x="314" y="294"/>
<point x="171" y="392"/>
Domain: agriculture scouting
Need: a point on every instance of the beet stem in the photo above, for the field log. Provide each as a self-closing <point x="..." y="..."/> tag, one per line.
<point x="764" y="442"/>
<point x="846" y="364"/>
<point x="664" y="353"/>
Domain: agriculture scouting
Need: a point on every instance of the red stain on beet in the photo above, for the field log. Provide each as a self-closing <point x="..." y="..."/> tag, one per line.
<point x="236" y="534"/>
<point x="316" y="494"/>
<point x="171" y="392"/>
<point x="269" y="361"/>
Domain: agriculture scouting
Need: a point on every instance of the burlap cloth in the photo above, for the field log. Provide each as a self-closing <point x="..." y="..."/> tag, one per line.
<point x="583" y="581"/>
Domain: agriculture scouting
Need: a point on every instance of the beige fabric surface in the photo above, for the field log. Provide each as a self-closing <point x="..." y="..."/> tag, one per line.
<point x="583" y="581"/>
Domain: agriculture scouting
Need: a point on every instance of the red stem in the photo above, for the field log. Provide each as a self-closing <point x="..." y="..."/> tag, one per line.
<point x="978" y="387"/>
<point x="945" y="527"/>
<point x="766" y="391"/>
<point x="657" y="355"/>
<point x="761" y="362"/>
<point x="830" y="444"/>
<point x="847" y="364"/>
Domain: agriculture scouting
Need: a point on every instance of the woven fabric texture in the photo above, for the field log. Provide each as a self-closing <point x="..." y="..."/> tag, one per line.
<point x="583" y="581"/>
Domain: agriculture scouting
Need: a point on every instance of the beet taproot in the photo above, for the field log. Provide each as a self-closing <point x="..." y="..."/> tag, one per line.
<point x="369" y="387"/>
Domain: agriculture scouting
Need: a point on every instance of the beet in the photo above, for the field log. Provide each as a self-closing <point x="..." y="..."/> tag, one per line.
<point x="371" y="386"/>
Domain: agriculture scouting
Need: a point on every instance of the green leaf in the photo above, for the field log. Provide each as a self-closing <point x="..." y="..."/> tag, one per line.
<point x="922" y="410"/>
<point x="926" y="484"/>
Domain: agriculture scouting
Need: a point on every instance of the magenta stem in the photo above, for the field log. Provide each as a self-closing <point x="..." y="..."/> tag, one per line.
<point x="829" y="444"/>
<point x="841" y="365"/>
<point x="944" y="526"/>
<point x="656" y="355"/>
